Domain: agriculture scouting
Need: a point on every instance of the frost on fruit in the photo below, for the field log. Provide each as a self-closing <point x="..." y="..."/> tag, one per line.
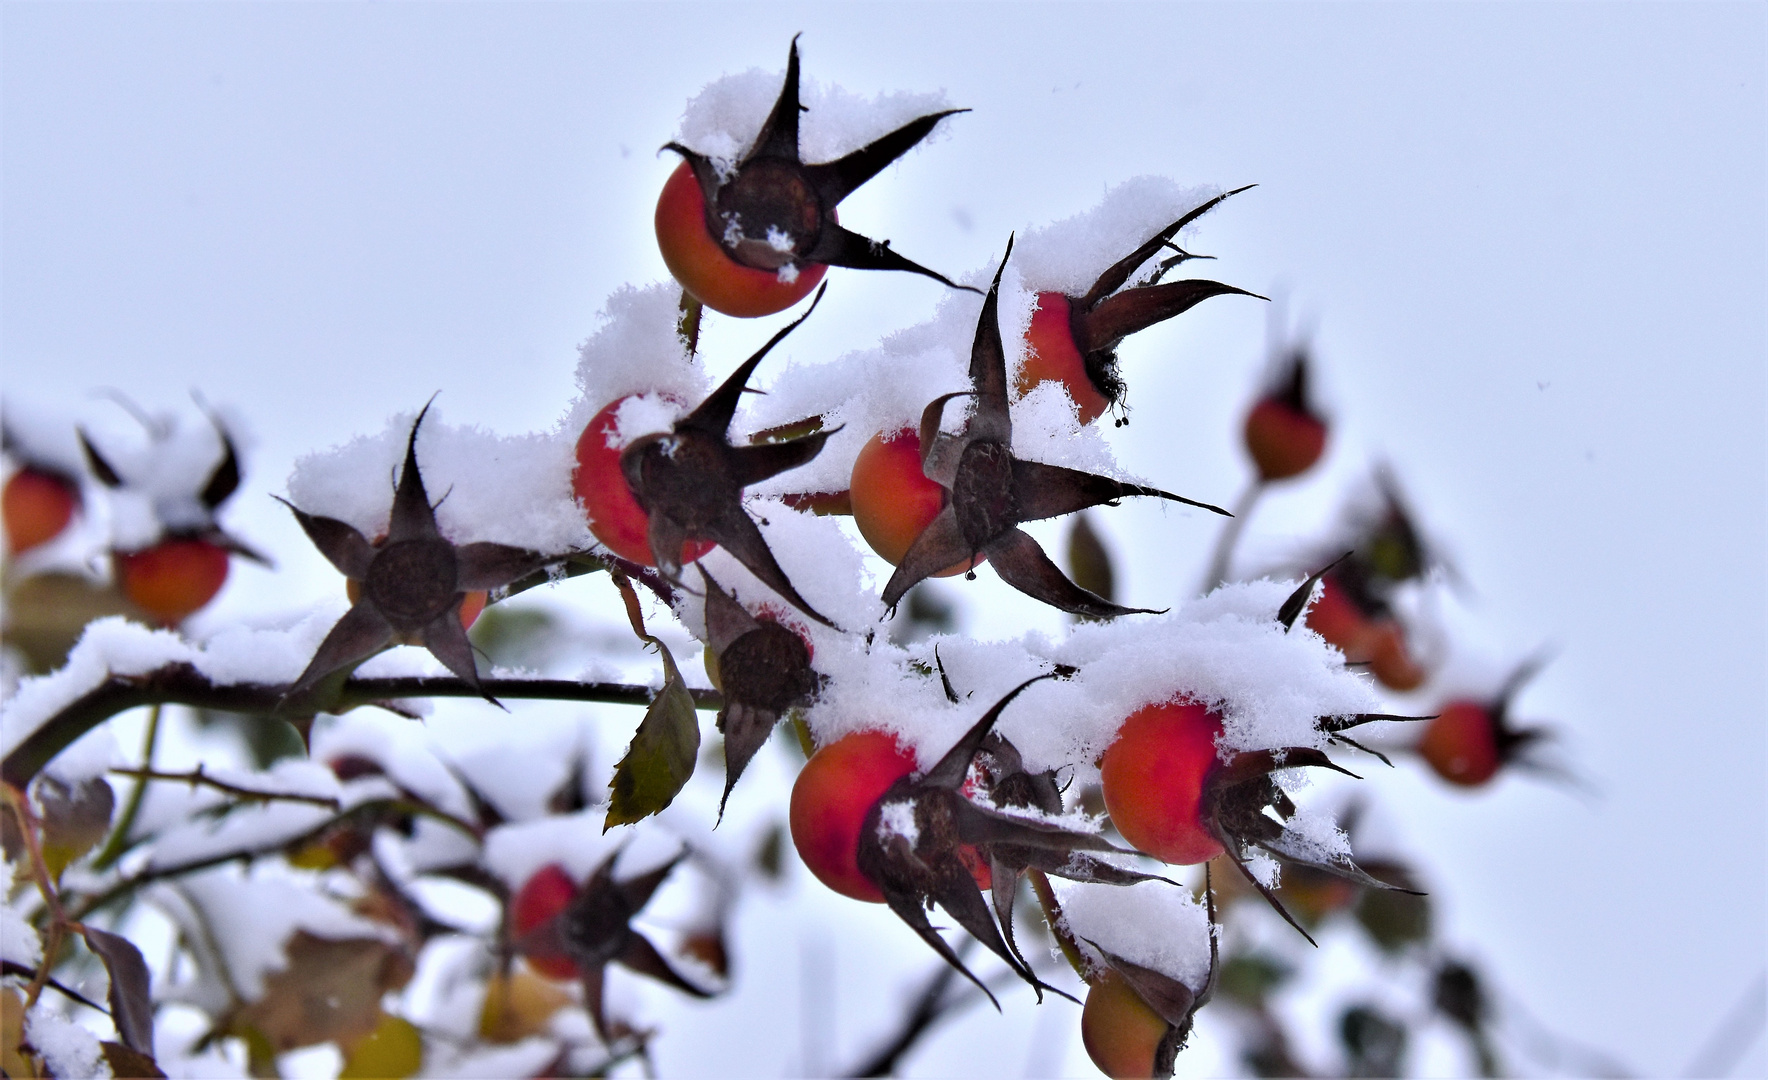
<point x="910" y="847"/>
<point x="765" y="670"/>
<point x="690" y="481"/>
<point x="992" y="492"/>
<point x="412" y="584"/>
<point x="771" y="210"/>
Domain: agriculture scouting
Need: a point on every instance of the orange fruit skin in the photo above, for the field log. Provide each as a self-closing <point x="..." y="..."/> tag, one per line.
<point x="537" y="902"/>
<point x="1119" y="1030"/>
<point x="701" y="265"/>
<point x="1461" y="744"/>
<point x="1053" y="356"/>
<point x="1389" y="659"/>
<point x="615" y="517"/>
<point x="173" y="579"/>
<point x="36" y="507"/>
<point x="1154" y="776"/>
<point x="1283" y="441"/>
<point x="834" y="792"/>
<point x="893" y="501"/>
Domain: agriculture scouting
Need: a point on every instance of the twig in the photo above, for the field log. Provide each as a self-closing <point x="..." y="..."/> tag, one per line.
<point x="197" y="777"/>
<point x="1220" y="563"/>
<point x="182" y="684"/>
<point x="369" y="809"/>
<point x="19" y="803"/>
<point x="118" y="842"/>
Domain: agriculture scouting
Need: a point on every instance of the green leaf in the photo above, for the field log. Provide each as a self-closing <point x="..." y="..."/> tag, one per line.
<point x="662" y="754"/>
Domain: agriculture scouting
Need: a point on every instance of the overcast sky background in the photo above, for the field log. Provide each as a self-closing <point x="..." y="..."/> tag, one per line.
<point x="1530" y="238"/>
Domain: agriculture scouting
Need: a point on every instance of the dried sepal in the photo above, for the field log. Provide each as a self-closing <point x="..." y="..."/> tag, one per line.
<point x="764" y="669"/>
<point x="913" y="840"/>
<point x="991" y="492"/>
<point x="771" y="210"/>
<point x="690" y="481"/>
<point x="1245" y="809"/>
<point x="412" y="584"/>
<point x="594" y="930"/>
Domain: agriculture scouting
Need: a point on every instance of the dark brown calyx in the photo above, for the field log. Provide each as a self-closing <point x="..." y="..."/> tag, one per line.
<point x="765" y="670"/>
<point x="773" y="209"/>
<point x="912" y="843"/>
<point x="413" y="582"/>
<point x="690" y="481"/>
<point x="683" y="474"/>
<point x="982" y="493"/>
<point x="768" y="215"/>
<point x="768" y="667"/>
<point x="1108" y="312"/>
<point x="990" y="493"/>
<point x="595" y="930"/>
<point x="1245" y="809"/>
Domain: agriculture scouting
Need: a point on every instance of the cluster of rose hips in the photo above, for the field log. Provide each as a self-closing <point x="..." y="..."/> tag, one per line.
<point x="166" y="580"/>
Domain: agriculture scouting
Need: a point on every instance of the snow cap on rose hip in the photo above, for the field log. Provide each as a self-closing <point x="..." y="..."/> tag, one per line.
<point x="1073" y="335"/>
<point x="767" y="217"/>
<point x="413" y="584"/>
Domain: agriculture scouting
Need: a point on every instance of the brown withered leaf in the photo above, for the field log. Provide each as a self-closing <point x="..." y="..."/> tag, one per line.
<point x="131" y="999"/>
<point x="412" y="584"/>
<point x="991" y="492"/>
<point x="690" y="480"/>
<point x="329" y="992"/>
<point x="772" y="193"/>
<point x="661" y="756"/>
<point x="125" y="1062"/>
<point x="764" y="669"/>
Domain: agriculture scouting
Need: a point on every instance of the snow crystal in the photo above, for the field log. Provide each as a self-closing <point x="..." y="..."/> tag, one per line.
<point x="1151" y="923"/>
<point x="637" y="350"/>
<point x="1264" y="869"/>
<point x="67" y="1047"/>
<point x="1313" y="832"/>
<point x="722" y="120"/>
<point x="643" y="414"/>
<point x="898" y="819"/>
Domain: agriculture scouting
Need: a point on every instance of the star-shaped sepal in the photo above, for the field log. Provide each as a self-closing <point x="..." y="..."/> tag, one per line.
<point x="992" y="493"/>
<point x="764" y="669"/>
<point x="690" y="481"/>
<point x="773" y="210"/>
<point x="412" y="583"/>
<point x="1245" y="809"/>
<point x="595" y="930"/>
<point x="1099" y="320"/>
<point x="913" y="839"/>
